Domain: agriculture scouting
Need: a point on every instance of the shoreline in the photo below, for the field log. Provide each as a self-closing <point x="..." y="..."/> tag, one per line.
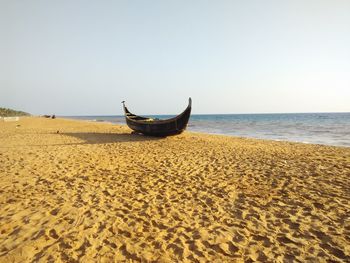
<point x="95" y="192"/>
<point x="273" y="140"/>
<point x="221" y="134"/>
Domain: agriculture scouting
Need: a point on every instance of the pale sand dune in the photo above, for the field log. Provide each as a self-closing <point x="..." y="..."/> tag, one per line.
<point x="95" y="193"/>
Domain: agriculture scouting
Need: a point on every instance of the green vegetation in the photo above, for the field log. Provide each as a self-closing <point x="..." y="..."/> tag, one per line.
<point x="4" y="112"/>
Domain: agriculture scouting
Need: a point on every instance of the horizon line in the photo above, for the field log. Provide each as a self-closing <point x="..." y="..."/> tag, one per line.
<point x="316" y="112"/>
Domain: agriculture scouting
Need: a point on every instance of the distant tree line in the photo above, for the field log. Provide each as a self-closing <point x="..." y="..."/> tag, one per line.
<point x="4" y="112"/>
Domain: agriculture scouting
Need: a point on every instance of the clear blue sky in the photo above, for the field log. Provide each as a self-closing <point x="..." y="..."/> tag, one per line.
<point x="85" y="57"/>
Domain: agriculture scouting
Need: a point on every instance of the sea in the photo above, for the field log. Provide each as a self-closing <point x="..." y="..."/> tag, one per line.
<point x="315" y="128"/>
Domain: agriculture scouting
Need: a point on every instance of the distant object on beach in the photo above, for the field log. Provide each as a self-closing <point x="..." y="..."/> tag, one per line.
<point x="49" y="116"/>
<point x="155" y="127"/>
<point x="7" y="119"/>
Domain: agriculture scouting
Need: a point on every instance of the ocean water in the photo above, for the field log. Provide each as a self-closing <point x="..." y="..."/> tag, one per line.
<point x="315" y="128"/>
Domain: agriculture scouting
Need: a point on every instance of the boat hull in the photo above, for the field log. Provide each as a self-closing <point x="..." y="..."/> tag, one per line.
<point x="158" y="128"/>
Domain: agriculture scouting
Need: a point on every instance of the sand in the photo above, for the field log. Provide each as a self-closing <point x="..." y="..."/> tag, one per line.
<point x="95" y="193"/>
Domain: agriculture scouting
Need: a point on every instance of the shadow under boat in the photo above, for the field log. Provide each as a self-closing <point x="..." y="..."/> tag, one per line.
<point x="103" y="138"/>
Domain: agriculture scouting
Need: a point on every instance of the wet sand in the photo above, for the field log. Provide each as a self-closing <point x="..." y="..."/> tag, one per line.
<point x="95" y="193"/>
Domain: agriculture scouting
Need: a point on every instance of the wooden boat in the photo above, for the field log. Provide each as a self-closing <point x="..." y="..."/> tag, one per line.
<point x="156" y="127"/>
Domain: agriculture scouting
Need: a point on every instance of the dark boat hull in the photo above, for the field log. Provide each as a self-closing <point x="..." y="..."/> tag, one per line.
<point x="159" y="128"/>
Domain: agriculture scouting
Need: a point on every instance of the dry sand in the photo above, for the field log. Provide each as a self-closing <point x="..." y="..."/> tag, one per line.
<point x="95" y="193"/>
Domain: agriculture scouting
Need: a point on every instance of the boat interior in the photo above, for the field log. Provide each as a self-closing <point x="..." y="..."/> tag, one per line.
<point x="138" y="118"/>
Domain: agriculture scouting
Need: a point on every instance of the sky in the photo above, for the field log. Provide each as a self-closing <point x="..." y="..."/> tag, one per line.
<point x="85" y="57"/>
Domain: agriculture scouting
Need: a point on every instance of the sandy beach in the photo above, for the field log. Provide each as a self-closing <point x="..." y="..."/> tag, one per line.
<point x="75" y="191"/>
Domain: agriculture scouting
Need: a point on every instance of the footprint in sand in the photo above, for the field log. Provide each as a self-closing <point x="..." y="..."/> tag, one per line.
<point x="53" y="234"/>
<point x="55" y="211"/>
